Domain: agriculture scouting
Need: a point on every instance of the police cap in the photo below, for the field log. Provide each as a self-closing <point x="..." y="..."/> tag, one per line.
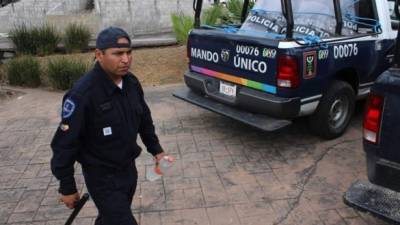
<point x="108" y="38"/>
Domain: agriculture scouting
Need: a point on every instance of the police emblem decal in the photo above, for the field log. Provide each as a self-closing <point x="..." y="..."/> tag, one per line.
<point x="68" y="108"/>
<point x="310" y="64"/>
<point x="225" y="55"/>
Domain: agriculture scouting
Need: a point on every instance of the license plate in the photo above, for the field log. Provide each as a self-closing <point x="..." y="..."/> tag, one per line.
<point x="227" y="89"/>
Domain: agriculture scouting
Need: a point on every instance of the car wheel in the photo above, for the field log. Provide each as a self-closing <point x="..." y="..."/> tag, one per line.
<point x="334" y="111"/>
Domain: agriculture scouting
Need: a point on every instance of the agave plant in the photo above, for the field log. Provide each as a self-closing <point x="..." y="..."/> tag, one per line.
<point x="227" y="13"/>
<point x="181" y="25"/>
<point x="213" y="15"/>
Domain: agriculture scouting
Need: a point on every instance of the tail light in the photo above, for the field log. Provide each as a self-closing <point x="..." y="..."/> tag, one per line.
<point x="372" y="118"/>
<point x="288" y="76"/>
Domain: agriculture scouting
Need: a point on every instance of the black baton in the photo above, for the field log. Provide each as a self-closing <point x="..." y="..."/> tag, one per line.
<point x="78" y="206"/>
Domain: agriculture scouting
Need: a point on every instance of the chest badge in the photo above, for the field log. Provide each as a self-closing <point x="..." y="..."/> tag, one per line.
<point x="107" y="131"/>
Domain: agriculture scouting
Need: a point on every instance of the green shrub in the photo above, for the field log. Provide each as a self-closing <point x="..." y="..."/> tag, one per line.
<point x="89" y="5"/>
<point x="77" y="37"/>
<point x="235" y="9"/>
<point x="47" y="39"/>
<point x="22" y="38"/>
<point x="63" y="72"/>
<point x="215" y="15"/>
<point x="35" y="40"/>
<point x="3" y="74"/>
<point x="24" y="71"/>
<point x="181" y="24"/>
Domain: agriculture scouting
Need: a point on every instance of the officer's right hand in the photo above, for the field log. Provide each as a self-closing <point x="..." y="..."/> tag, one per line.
<point x="69" y="200"/>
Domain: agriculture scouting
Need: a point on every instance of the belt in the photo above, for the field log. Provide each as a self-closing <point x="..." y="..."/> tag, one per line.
<point x="107" y="169"/>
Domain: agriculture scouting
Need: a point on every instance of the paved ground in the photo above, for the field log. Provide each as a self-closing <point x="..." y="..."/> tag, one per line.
<point x="226" y="172"/>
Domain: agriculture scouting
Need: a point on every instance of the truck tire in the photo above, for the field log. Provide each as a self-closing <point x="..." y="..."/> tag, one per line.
<point x="334" y="111"/>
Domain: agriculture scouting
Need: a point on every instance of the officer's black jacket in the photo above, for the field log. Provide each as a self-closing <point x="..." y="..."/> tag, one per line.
<point x="99" y="126"/>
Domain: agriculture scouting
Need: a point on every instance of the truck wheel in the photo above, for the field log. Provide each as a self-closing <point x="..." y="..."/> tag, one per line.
<point x="334" y="111"/>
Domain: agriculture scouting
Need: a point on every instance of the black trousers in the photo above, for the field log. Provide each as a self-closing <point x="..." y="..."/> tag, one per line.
<point x="112" y="192"/>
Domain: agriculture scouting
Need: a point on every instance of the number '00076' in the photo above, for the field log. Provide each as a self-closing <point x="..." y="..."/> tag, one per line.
<point x="344" y="51"/>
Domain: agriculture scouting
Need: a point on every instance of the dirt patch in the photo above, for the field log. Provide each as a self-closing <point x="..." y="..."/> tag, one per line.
<point x="7" y="94"/>
<point x="152" y="66"/>
<point x="157" y="66"/>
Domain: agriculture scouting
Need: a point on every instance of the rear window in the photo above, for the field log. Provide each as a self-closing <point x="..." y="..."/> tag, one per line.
<point x="311" y="17"/>
<point x="393" y="17"/>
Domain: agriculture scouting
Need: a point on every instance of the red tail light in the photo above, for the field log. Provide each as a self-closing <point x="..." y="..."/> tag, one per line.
<point x="372" y="118"/>
<point x="288" y="76"/>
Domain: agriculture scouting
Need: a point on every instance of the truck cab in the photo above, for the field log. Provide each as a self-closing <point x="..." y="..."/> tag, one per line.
<point x="289" y="59"/>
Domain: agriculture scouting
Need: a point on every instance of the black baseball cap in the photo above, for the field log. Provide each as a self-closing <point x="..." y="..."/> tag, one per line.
<point x="108" y="38"/>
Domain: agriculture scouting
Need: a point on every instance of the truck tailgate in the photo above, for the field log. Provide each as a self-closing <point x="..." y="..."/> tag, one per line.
<point x="233" y="58"/>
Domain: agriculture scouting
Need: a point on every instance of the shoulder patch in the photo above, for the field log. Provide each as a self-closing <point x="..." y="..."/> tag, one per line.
<point x="68" y="108"/>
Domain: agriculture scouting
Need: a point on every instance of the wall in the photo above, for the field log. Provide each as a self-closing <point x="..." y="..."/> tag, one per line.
<point x="141" y="16"/>
<point x="138" y="17"/>
<point x="35" y="12"/>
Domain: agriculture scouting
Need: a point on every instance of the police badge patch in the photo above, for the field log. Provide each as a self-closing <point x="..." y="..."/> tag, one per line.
<point x="68" y="108"/>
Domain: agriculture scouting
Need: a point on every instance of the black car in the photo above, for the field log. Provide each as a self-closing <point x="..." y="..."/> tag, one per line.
<point x="381" y="141"/>
<point x="382" y="131"/>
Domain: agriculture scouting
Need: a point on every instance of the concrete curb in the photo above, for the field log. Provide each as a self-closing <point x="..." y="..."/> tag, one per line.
<point x="152" y="40"/>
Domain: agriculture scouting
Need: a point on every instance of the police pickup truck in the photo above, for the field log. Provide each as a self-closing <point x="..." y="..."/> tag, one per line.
<point x="381" y="128"/>
<point x="290" y="58"/>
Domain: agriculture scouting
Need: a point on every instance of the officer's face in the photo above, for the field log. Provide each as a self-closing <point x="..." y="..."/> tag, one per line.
<point x="115" y="61"/>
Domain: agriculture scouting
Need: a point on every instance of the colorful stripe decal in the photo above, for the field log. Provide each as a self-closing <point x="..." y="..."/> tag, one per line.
<point x="237" y="80"/>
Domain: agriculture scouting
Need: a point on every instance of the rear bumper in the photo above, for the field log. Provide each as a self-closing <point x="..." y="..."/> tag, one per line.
<point x="381" y="171"/>
<point x="246" y="98"/>
<point x="382" y="202"/>
<point x="260" y="121"/>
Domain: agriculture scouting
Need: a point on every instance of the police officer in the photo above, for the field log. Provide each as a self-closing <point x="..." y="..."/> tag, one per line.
<point x="101" y="117"/>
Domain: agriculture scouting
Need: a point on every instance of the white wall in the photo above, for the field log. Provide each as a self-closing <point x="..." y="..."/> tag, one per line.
<point x="34" y="12"/>
<point x="141" y="16"/>
<point x="136" y="16"/>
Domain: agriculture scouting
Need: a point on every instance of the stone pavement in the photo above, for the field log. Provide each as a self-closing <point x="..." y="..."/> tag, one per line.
<point x="226" y="172"/>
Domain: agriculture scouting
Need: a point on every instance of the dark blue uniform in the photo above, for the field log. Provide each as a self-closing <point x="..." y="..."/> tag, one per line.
<point x="99" y="128"/>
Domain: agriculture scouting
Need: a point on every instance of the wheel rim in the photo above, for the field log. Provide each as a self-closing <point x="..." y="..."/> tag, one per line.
<point x="338" y="112"/>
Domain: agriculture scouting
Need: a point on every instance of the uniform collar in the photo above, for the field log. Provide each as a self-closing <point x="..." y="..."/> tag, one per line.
<point x="109" y="85"/>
